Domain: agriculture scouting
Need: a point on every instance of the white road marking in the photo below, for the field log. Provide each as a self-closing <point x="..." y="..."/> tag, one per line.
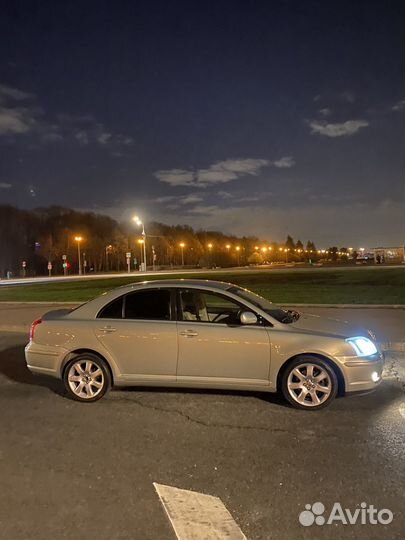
<point x="195" y="516"/>
<point x="402" y="410"/>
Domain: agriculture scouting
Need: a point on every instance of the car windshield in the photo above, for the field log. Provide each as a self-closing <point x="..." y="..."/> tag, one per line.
<point x="281" y="315"/>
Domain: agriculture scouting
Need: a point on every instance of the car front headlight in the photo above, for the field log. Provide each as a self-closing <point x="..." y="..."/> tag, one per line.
<point x="363" y="346"/>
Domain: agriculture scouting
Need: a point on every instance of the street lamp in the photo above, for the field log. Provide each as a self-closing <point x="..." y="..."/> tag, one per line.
<point x="141" y="243"/>
<point x="78" y="240"/>
<point x="137" y="220"/>
<point x="237" y="251"/>
<point x="108" y="250"/>
<point x="209" y="246"/>
<point x="182" y="245"/>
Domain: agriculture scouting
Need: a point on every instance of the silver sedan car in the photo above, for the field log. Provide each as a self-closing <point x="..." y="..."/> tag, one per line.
<point x="201" y="334"/>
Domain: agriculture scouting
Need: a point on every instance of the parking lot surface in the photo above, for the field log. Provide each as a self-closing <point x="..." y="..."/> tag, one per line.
<point x="71" y="470"/>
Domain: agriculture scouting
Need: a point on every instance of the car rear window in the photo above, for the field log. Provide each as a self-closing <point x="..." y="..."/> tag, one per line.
<point x="113" y="310"/>
<point x="150" y="304"/>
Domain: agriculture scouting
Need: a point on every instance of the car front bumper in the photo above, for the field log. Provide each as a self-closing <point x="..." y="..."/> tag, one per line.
<point x="363" y="374"/>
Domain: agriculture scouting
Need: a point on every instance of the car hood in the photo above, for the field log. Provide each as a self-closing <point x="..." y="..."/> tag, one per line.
<point x="318" y="324"/>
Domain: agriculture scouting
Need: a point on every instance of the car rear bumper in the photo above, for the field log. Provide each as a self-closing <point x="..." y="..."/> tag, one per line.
<point x="44" y="360"/>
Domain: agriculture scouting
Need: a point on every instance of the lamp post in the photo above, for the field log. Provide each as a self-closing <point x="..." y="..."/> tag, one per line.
<point x="141" y="243"/>
<point x="108" y="250"/>
<point x="209" y="246"/>
<point x="238" y="254"/>
<point x="182" y="246"/>
<point x="140" y="223"/>
<point x="78" y="240"/>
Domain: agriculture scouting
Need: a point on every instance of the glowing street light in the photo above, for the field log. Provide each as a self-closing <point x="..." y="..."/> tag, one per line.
<point x="209" y="246"/>
<point x="228" y="246"/>
<point x="238" y="254"/>
<point x="137" y="220"/>
<point x="182" y="245"/>
<point x="78" y="240"/>
<point x="264" y="249"/>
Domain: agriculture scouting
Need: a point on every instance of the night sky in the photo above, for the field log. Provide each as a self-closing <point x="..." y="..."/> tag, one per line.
<point x="254" y="117"/>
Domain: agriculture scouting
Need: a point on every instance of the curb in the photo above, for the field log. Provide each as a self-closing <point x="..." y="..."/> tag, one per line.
<point x="15" y="328"/>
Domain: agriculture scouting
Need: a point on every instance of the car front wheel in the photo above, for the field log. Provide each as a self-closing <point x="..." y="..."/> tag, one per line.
<point x="309" y="383"/>
<point x="86" y="378"/>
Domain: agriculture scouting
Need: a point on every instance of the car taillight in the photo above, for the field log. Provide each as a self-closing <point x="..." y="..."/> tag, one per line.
<point x="33" y="326"/>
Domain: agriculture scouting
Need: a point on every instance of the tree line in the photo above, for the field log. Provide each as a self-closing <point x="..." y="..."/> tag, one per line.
<point x="35" y="242"/>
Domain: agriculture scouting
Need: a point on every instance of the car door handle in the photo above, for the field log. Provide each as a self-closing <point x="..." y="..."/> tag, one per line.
<point x="107" y="329"/>
<point x="189" y="333"/>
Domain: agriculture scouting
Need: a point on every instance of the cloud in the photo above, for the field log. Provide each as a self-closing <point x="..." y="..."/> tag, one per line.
<point x="249" y="198"/>
<point x="165" y="199"/>
<point x="348" y="96"/>
<point x="176" y="177"/>
<point x="14" y="118"/>
<point x="52" y="137"/>
<point x="325" y="112"/>
<point x="284" y="163"/>
<point x="16" y="121"/>
<point x="82" y="137"/>
<point x="225" y="195"/>
<point x="190" y="199"/>
<point x="400" y="106"/>
<point x="18" y="118"/>
<point x="337" y="130"/>
<point x="5" y="185"/>
<point x="8" y="92"/>
<point x="218" y="173"/>
<point x="104" y="137"/>
<point x="204" y="210"/>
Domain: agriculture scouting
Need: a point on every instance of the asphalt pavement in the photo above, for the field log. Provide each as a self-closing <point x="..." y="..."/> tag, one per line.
<point x="70" y="470"/>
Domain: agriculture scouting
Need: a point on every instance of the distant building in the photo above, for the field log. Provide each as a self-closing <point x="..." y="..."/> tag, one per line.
<point x="389" y="254"/>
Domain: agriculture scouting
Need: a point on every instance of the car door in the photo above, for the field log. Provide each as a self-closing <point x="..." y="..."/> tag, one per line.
<point x="214" y="348"/>
<point x="139" y="331"/>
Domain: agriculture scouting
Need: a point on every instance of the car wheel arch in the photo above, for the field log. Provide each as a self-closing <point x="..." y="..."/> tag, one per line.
<point x="76" y="352"/>
<point x="338" y="372"/>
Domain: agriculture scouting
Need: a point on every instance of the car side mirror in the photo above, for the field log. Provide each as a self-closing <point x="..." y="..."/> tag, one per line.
<point x="247" y="317"/>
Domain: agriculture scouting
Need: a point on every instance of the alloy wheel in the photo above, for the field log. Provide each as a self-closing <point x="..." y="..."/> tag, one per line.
<point x="85" y="379"/>
<point x="309" y="385"/>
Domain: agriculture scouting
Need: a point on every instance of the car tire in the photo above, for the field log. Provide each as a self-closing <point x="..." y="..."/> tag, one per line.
<point x="309" y="383"/>
<point x="87" y="378"/>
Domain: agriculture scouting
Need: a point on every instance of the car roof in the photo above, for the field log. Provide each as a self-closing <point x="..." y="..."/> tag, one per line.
<point x="212" y="284"/>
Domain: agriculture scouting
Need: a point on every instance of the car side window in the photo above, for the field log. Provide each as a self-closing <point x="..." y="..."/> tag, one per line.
<point x="153" y="304"/>
<point x="113" y="310"/>
<point x="208" y="307"/>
